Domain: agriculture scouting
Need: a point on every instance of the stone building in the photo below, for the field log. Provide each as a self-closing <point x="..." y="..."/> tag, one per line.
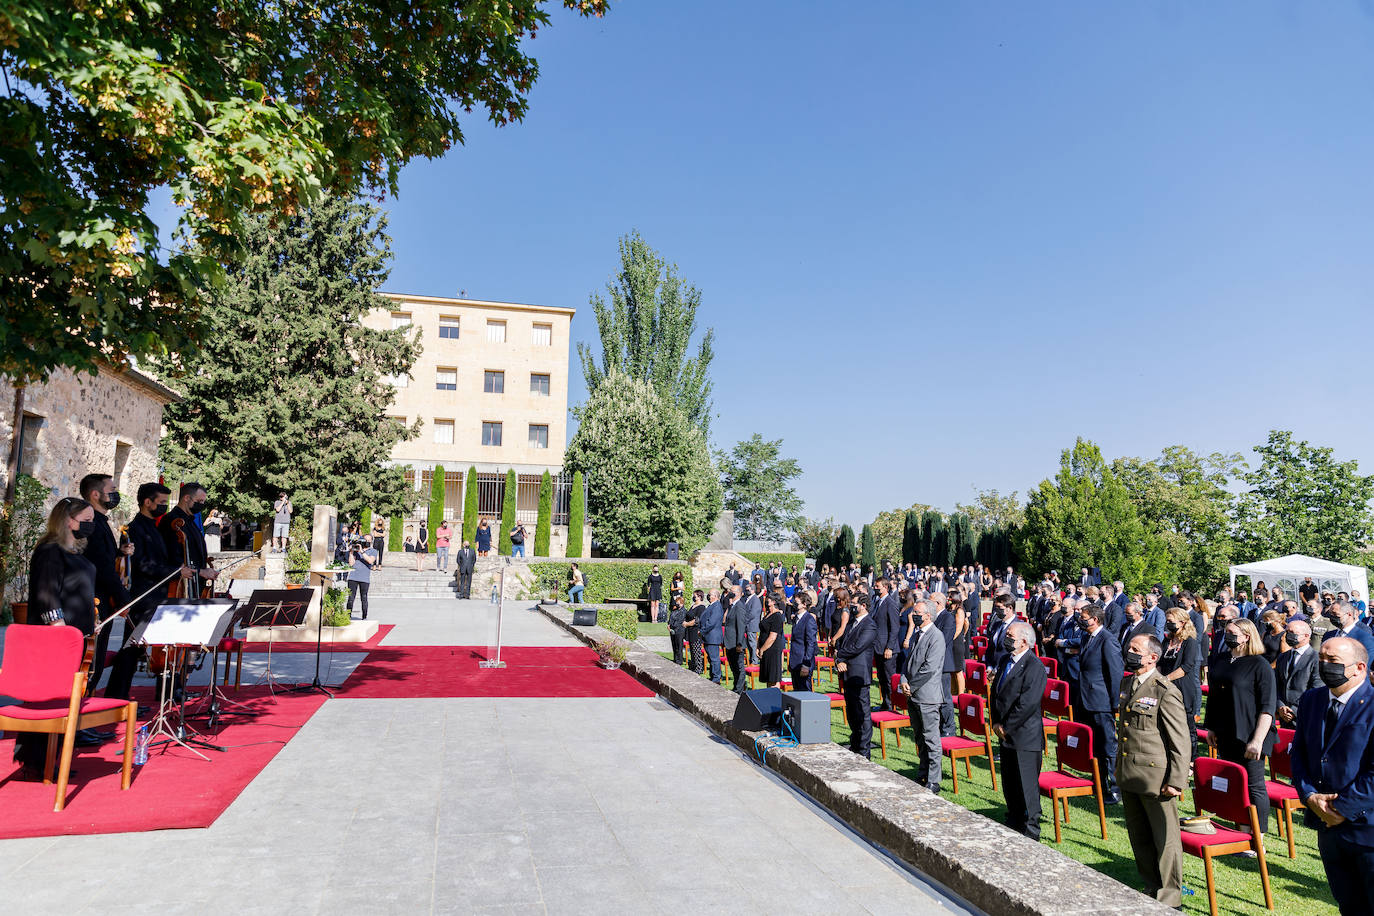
<point x="77" y="424"/>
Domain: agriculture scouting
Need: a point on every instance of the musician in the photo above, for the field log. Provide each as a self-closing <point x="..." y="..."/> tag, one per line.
<point x="190" y="501"/>
<point x="102" y="550"/>
<point x="151" y="565"/>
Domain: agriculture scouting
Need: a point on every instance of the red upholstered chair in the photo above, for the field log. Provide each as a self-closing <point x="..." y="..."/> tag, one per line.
<point x="979" y="645"/>
<point x="1054" y="707"/>
<point x="1282" y="796"/>
<point x="1073" y="750"/>
<point x="976" y="677"/>
<point x="1220" y="788"/>
<point x="42" y="669"/>
<point x="970" y="707"/>
<point x="231" y="647"/>
<point x="837" y="702"/>
<point x="822" y="662"/>
<point x="891" y="721"/>
<point x="753" y="672"/>
<point x="1202" y="740"/>
<point x="1051" y="666"/>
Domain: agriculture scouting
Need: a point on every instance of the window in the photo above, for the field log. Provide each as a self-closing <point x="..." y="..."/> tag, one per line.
<point x="491" y="433"/>
<point x="543" y="335"/>
<point x="496" y="332"/>
<point x="446" y="379"/>
<point x="28" y="443"/>
<point x="443" y="432"/>
<point x="122" y="450"/>
<point x="494" y="382"/>
<point x="448" y="327"/>
<point x="539" y="436"/>
<point x="400" y="320"/>
<point x="539" y="384"/>
<point x="399" y="421"/>
<point x="399" y="381"/>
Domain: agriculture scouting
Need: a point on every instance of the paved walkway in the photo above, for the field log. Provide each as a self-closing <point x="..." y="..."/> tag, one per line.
<point x="483" y="806"/>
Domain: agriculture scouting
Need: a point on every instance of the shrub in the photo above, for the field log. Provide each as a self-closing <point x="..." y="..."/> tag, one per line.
<point x="867" y="554"/>
<point x="334" y="607"/>
<point x="396" y="537"/>
<point x="470" y="507"/>
<point x="607" y="581"/>
<point x="622" y="621"/>
<point x="365" y="520"/>
<point x="19" y="534"/>
<point x="786" y="559"/>
<point x="501" y="539"/>
<point x="436" y="506"/>
<point x="542" y="527"/>
<point x="577" y="515"/>
<point x="298" y="553"/>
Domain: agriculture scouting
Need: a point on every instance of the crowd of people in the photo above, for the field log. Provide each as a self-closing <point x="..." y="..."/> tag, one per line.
<point x="1136" y="668"/>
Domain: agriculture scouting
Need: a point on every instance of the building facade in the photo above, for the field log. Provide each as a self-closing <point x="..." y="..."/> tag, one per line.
<point x="490" y="391"/>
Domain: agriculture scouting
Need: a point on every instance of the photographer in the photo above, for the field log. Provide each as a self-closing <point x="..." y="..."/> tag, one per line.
<point x="281" y="522"/>
<point x="363" y="557"/>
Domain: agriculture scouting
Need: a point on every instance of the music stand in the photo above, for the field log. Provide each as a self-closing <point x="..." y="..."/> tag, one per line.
<point x="272" y="608"/>
<point x="179" y="627"/>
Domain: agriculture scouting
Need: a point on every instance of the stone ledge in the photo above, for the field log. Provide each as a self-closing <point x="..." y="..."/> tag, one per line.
<point x="975" y="858"/>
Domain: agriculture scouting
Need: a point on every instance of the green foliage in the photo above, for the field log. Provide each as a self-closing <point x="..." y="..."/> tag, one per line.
<point x="994" y="548"/>
<point x="933" y="542"/>
<point x="543" y="525"/>
<point x="961" y="540"/>
<point x="501" y="539"/>
<point x="889" y="534"/>
<point x="396" y="538"/>
<point x="298" y="552"/>
<point x="436" y="506"/>
<point x="577" y="515"/>
<point x="650" y="470"/>
<point x="646" y="332"/>
<point x="867" y="556"/>
<point x="470" y="507"/>
<point x="334" y="607"/>
<point x="606" y="581"/>
<point x="236" y="109"/>
<point x="290" y="394"/>
<point x="20" y="529"/>
<point x="365" y="520"/>
<point x="843" y="552"/>
<point x="756" y="480"/>
<point x="622" y="621"/>
<point x="991" y="509"/>
<point x="1085" y="517"/>
<point x="788" y="560"/>
<point x="815" y="536"/>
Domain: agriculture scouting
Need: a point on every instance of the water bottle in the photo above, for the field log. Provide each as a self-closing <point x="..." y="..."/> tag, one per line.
<point x="141" y="746"/>
<point x="493" y="595"/>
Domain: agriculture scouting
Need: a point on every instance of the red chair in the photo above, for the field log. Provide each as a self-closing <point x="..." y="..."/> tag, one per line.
<point x="1282" y="796"/>
<point x="1051" y="666"/>
<point x="891" y="721"/>
<point x="43" y="671"/>
<point x="837" y="702"/>
<point x="1073" y="750"/>
<point x="1054" y="707"/>
<point x="1220" y="788"/>
<point x="976" y="677"/>
<point x="970" y="707"/>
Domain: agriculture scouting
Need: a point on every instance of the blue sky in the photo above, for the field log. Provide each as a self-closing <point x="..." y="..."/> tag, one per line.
<point x="940" y="240"/>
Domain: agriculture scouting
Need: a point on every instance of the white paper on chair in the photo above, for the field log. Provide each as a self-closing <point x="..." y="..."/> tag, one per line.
<point x="1071" y="741"/>
<point x="188" y="624"/>
<point x="1054" y="694"/>
<point x="971" y="711"/>
<point x="1220" y="784"/>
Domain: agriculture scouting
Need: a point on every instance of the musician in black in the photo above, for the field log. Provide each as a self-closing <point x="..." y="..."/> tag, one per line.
<point x="102" y="550"/>
<point x="190" y="500"/>
<point x="150" y="565"/>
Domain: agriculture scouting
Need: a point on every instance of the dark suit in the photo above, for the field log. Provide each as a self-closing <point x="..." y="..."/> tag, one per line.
<point x="150" y="564"/>
<point x="1342" y="763"/>
<point x="1099" y="680"/>
<point x="710" y="623"/>
<point x="1130" y="631"/>
<point x="1294" y="676"/>
<point x="102" y="550"/>
<point x="887" y="639"/>
<point x="1016" y="696"/>
<point x="802" y="650"/>
<point x="465" y="561"/>
<point x="737" y="640"/>
<point x="945" y="623"/>
<point x="995" y="651"/>
<point x="856" y="654"/>
<point x="1359" y="632"/>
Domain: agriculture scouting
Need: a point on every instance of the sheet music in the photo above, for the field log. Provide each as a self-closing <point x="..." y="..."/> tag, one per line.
<point x="200" y="624"/>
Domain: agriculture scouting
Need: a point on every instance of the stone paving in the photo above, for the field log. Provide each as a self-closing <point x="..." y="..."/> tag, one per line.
<point x="480" y="805"/>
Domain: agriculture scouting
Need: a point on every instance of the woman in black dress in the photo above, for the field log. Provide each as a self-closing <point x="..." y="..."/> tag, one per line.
<point x="421" y="546"/>
<point x="770" y="645"/>
<point x="1182" y="664"/>
<point x="655" y="593"/>
<point x="677" y="591"/>
<point x="1241" y="700"/>
<point x="61" y="593"/>
<point x="906" y="626"/>
<point x="1272" y="626"/>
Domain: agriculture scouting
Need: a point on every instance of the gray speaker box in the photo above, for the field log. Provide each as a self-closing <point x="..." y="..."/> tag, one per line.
<point x="808" y="715"/>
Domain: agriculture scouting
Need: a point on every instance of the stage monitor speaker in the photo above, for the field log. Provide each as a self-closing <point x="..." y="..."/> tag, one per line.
<point x="670" y="552"/>
<point x="808" y="715"/>
<point x="758" y="710"/>
<point x="584" y="617"/>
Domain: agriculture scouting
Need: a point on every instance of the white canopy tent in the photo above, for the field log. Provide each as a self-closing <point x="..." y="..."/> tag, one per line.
<point x="1288" y="572"/>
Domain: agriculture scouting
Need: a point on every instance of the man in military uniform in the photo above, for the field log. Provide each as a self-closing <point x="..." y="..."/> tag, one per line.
<point x="1152" y="768"/>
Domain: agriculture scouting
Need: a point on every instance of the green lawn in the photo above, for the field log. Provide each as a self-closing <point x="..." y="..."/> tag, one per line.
<point x="1298" y="885"/>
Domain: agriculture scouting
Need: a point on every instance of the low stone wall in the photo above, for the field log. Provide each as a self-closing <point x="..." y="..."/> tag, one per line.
<point x="977" y="859"/>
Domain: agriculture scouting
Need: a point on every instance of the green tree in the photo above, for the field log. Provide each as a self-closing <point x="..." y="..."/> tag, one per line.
<point x="577" y="515"/>
<point x="650" y="472"/>
<point x="756" y="480"/>
<point x="291" y="393"/>
<point x="508" y="507"/>
<point x="646" y="333"/>
<point x="543" y="525"/>
<point x="251" y="107"/>
<point x="932" y="538"/>
<point x="396" y="538"/>
<point x="436" y="506"/>
<point x="961" y="541"/>
<point x="889" y="533"/>
<point x="1302" y="500"/>
<point x="867" y="557"/>
<point x="814" y="536"/>
<point x="990" y="509"/>
<point x="1085" y="517"/>
<point x="911" y="536"/>
<point x="470" y="506"/>
<point x="365" y="520"/>
<point x="842" y="551"/>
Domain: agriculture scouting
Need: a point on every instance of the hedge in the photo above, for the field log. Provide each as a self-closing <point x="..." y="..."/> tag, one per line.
<point x="622" y="621"/>
<point x="786" y="559"/>
<point x="607" y="581"/>
<point x="396" y="536"/>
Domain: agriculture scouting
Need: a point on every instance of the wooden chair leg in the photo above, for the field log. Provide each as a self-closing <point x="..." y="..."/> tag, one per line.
<point x="130" y="729"/>
<point x="50" y="762"/>
<point x="1101" y="802"/>
<point x="1054" y="807"/>
<point x="954" y="772"/>
<point x="1287" y="821"/>
<point x="1066" y="810"/>
<point x="1211" y="888"/>
<point x="968" y="768"/>
<point x="1258" y="843"/>
<point x="992" y="767"/>
<point x="882" y="740"/>
<point x="898" y="732"/>
<point x="238" y="669"/>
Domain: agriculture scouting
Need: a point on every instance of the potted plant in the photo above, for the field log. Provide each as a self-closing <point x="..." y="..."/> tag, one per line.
<point x="611" y="654"/>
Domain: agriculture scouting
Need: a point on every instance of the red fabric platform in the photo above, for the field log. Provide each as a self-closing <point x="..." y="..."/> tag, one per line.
<point x="282" y="645"/>
<point x="174" y="789"/>
<point x="399" y="672"/>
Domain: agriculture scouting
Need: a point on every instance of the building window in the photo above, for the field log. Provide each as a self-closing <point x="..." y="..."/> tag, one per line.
<point x="443" y="432"/>
<point x="398" y="381"/>
<point x="496" y="332"/>
<point x="121" y="462"/>
<point x="539" y="436"/>
<point x="491" y="433"/>
<point x="446" y="379"/>
<point x="539" y="384"/>
<point x="28" y="444"/>
<point x="494" y="382"/>
<point x="448" y="327"/>
<point x="400" y="320"/>
<point x="543" y="335"/>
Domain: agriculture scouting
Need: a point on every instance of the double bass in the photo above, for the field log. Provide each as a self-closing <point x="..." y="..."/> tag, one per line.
<point x="181" y="588"/>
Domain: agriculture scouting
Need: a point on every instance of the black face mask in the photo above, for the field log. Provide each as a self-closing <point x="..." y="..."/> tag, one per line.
<point x="1292" y="639"/>
<point x="1133" y="661"/>
<point x="1171" y="628"/>
<point x="1232" y="640"/>
<point x="1332" y="673"/>
<point x="198" y="506"/>
<point x="1332" y="616"/>
<point x="111" y="501"/>
<point x="158" y="511"/>
<point x="85" y="529"/>
<point x="1008" y="643"/>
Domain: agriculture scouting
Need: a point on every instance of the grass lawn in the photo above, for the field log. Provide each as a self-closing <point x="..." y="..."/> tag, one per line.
<point x="1299" y="885"/>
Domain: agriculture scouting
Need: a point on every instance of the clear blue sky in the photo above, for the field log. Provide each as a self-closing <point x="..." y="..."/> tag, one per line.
<point x="940" y="240"/>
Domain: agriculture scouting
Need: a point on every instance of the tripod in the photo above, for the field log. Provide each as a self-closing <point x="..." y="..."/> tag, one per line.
<point x="315" y="684"/>
<point x="179" y="733"/>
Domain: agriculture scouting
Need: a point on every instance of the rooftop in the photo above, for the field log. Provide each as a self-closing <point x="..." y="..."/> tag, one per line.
<point x="482" y="303"/>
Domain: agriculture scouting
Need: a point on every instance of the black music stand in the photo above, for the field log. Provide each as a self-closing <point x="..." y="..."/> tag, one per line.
<point x="316" y="684"/>
<point x="272" y="608"/>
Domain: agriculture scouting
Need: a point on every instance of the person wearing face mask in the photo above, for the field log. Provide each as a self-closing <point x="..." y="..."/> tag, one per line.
<point x="1241" y="702"/>
<point x="1155" y="741"/>
<point x="1346" y="623"/>
<point x="102" y="550"/>
<point x="1220" y="620"/>
<point x="923" y="679"/>
<point x="1296" y="670"/>
<point x="190" y="500"/>
<point x="1016" y="693"/>
<point x="1333" y="771"/>
<point x="1099" y="678"/>
<point x="1181" y="664"/>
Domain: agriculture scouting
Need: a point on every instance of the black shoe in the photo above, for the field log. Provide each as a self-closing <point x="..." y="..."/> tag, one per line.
<point x="145" y="712"/>
<point x="89" y="738"/>
<point x="1114" y="798"/>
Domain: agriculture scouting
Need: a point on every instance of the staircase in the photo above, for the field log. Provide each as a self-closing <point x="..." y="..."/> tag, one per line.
<point x="400" y="580"/>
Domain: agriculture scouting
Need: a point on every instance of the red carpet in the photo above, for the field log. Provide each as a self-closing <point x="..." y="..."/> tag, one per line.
<point x="280" y="645"/>
<point x="174" y="789"/>
<point x="400" y="672"/>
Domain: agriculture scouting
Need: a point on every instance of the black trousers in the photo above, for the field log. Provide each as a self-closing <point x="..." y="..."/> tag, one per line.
<point x="857" y="708"/>
<point x="125" y="662"/>
<point x="1021" y="789"/>
<point x="355" y="589"/>
<point x="800" y="682"/>
<point x="1349" y="871"/>
<point x="1234" y="751"/>
<point x="464" y="583"/>
<point x="1103" y="725"/>
<point x="735" y="655"/>
<point x="676" y="637"/>
<point x="886" y="668"/>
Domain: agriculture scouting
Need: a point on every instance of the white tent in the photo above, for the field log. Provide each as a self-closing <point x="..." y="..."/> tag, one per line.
<point x="1288" y="572"/>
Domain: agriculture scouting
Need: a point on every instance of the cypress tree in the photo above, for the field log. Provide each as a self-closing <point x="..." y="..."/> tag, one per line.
<point x="396" y="538"/>
<point x="365" y="520"/>
<point x="507" y="513"/>
<point x="436" y="505"/>
<point x="544" y="523"/>
<point x="911" y="536"/>
<point x="577" y="515"/>
<point x="844" y="546"/>
<point x="932" y="531"/>
<point x="470" y="507"/>
<point x="867" y="555"/>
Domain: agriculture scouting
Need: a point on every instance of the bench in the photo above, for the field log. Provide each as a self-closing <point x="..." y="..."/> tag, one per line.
<point x="641" y="605"/>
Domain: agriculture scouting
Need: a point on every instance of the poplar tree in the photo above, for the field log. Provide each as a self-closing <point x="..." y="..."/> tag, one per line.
<point x="470" y="507"/>
<point x="577" y="515"/>
<point x="508" y="507"/>
<point x="436" y="506"/>
<point x="543" y="525"/>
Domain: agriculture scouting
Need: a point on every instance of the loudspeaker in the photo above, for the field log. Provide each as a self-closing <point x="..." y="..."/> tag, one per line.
<point x="670" y="552"/>
<point x="758" y="709"/>
<point x="584" y="617"/>
<point x="808" y="715"/>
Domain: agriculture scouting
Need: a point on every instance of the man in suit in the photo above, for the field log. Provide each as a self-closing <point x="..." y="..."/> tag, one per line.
<point x="801" y="653"/>
<point x="1115" y="615"/>
<point x="1016" y="721"/>
<point x="1099" y="680"/>
<point x="922" y="683"/>
<point x="854" y="667"/>
<point x="886" y="640"/>
<point x="753" y="613"/>
<point x="945" y="623"/>
<point x="1014" y="582"/>
<point x="464" y="563"/>
<point x="1154" y="615"/>
<point x="1295" y="673"/>
<point x="1003" y="616"/>
<point x="1346" y="623"/>
<point x="102" y="550"/>
<point x="710" y="623"/>
<point x="1333" y="771"/>
<point x="737" y="635"/>
<point x="1152" y="770"/>
<point x="1134" y="625"/>
<point x="1220" y="619"/>
<point x="1068" y="644"/>
<point x="973" y="608"/>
